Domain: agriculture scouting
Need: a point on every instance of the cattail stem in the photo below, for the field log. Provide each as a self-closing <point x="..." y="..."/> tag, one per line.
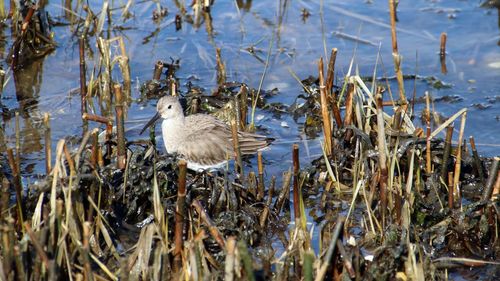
<point x="158" y="70"/>
<point x="458" y="163"/>
<point x="284" y="196"/>
<point x="395" y="52"/>
<point x="330" y="72"/>
<point x="260" y="185"/>
<point x="446" y="152"/>
<point x="120" y="128"/>
<point x="442" y="45"/>
<point x="179" y="216"/>
<point x="349" y="109"/>
<point x="87" y="269"/>
<point x="221" y="68"/>
<point x="428" y="159"/>
<point x="296" y="184"/>
<point x="83" y="81"/>
<point x="325" y="112"/>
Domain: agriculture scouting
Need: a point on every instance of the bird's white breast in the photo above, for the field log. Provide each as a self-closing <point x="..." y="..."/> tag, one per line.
<point x="172" y="132"/>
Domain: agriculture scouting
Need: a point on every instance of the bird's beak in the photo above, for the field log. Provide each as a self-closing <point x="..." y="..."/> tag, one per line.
<point x="151" y="122"/>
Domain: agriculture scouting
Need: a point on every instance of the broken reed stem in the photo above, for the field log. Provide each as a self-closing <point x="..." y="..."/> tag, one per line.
<point x="221" y="68"/>
<point x="48" y="144"/>
<point x="284" y="196"/>
<point x="236" y="146"/>
<point x="446" y="152"/>
<point x="265" y="213"/>
<point x="493" y="173"/>
<point x="16" y="178"/>
<point x="158" y="70"/>
<point x="442" y="45"/>
<point x="395" y="52"/>
<point x="83" y="81"/>
<point x="330" y="71"/>
<point x="212" y="228"/>
<point x="260" y="185"/>
<point x="296" y="191"/>
<point x="180" y="213"/>
<point x="451" y="201"/>
<point x="381" y="153"/>
<point x="230" y="259"/>
<point x="95" y="148"/>
<point x="121" y="159"/>
<point x="458" y="163"/>
<point x="349" y="109"/>
<point x="477" y="160"/>
<point x="325" y="113"/>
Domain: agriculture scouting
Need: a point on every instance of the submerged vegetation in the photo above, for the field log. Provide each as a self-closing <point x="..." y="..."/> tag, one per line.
<point x="388" y="199"/>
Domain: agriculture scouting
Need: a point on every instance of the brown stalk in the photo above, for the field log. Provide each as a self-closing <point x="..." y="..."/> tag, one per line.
<point x="296" y="187"/>
<point x="120" y="128"/>
<point x="260" y="185"/>
<point x="451" y="200"/>
<point x="330" y="71"/>
<point x="96" y="118"/>
<point x="236" y="146"/>
<point x="243" y="98"/>
<point x="48" y="144"/>
<point x="67" y="155"/>
<point x="458" y="163"/>
<point x="395" y="52"/>
<point x="265" y="213"/>
<point x="21" y="274"/>
<point x="83" y="81"/>
<point x="214" y="231"/>
<point x="349" y="110"/>
<point x="18" y="186"/>
<point x="180" y="214"/>
<point x="95" y="148"/>
<point x="381" y="152"/>
<point x="158" y="70"/>
<point x="477" y="160"/>
<point x="493" y="173"/>
<point x="442" y="53"/>
<point x="496" y="188"/>
<point x="446" y="152"/>
<point x="325" y="112"/>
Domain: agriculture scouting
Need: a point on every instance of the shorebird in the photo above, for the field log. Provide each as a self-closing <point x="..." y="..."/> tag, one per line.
<point x="204" y="141"/>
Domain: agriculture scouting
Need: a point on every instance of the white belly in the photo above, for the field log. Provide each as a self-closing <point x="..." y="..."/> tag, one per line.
<point x="172" y="135"/>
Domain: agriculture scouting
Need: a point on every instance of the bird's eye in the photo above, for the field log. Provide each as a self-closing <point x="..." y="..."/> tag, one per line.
<point x="170" y="106"/>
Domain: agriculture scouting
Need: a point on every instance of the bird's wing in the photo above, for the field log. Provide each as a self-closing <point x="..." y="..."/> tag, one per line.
<point x="208" y="141"/>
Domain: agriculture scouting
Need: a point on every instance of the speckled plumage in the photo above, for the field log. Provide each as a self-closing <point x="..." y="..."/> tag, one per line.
<point x="202" y="140"/>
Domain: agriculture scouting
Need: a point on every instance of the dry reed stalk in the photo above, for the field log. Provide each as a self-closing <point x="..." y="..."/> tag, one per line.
<point x="265" y="213"/>
<point x="296" y="187"/>
<point x="48" y="144"/>
<point x="158" y="70"/>
<point x="323" y="267"/>
<point x="260" y="185"/>
<point x="442" y="53"/>
<point x="236" y="146"/>
<point x="446" y="152"/>
<point x="97" y="118"/>
<point x="16" y="178"/>
<point x="477" y="160"/>
<point x="381" y="153"/>
<point x="243" y="98"/>
<point x="2" y="81"/>
<point x="330" y="71"/>
<point x="214" y="231"/>
<point x="221" y="68"/>
<point x="83" y="80"/>
<point x="493" y="173"/>
<point x="458" y="163"/>
<point x="395" y="53"/>
<point x="95" y="148"/>
<point x="496" y="188"/>
<point x="325" y="112"/>
<point x="451" y="200"/>
<point x="67" y="155"/>
<point x="345" y="259"/>
<point x="180" y="213"/>
<point x="120" y="128"/>
<point x="349" y="109"/>
<point x="20" y="272"/>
